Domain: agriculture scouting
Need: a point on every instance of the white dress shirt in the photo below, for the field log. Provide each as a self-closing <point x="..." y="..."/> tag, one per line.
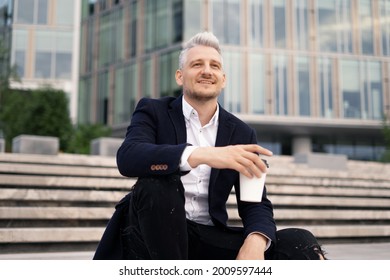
<point x="196" y="182"/>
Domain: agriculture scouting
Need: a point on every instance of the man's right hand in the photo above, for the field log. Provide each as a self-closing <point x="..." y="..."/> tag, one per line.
<point x="242" y="158"/>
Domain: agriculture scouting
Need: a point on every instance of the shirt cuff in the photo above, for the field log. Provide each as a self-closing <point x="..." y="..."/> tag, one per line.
<point x="268" y="239"/>
<point x="184" y="165"/>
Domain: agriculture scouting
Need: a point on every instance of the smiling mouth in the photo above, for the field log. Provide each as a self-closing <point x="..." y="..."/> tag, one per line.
<point x="205" y="82"/>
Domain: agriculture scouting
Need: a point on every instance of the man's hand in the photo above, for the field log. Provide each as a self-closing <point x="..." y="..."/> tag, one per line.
<point x="253" y="247"/>
<point x="242" y="158"/>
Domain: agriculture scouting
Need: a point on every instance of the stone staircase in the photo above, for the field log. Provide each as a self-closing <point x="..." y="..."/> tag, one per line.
<point x="63" y="202"/>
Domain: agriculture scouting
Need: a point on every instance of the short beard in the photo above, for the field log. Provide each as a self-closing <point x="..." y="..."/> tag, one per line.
<point x="201" y="97"/>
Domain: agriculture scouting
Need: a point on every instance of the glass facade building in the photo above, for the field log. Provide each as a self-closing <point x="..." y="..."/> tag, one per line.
<point x="296" y="69"/>
<point x="45" y="43"/>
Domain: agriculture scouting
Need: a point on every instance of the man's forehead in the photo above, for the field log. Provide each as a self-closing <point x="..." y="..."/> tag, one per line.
<point x="203" y="53"/>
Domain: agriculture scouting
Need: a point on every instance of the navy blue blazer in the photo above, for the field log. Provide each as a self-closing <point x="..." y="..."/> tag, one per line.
<point x="155" y="141"/>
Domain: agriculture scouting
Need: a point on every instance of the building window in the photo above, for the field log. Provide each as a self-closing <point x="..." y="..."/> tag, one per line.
<point x="280" y="32"/>
<point x="193" y="17"/>
<point x="385" y="26"/>
<point x="126" y="91"/>
<point x="350" y="89"/>
<point x="147" y="74"/>
<point x="19" y="42"/>
<point x="257" y="89"/>
<point x="102" y="102"/>
<point x="372" y="90"/>
<point x="303" y="85"/>
<point x="31" y="11"/>
<point x="132" y="28"/>
<point x="162" y="19"/>
<point x="53" y="55"/>
<point x="64" y="12"/>
<point x="280" y="85"/>
<point x="256" y="23"/>
<point x="363" y="99"/>
<point x="325" y="87"/>
<point x="231" y="96"/>
<point x="168" y="66"/>
<point x="301" y="25"/>
<point x="43" y="64"/>
<point x="334" y="26"/>
<point x="366" y="27"/>
<point x="85" y="101"/>
<point x="226" y="19"/>
<point x="20" y="60"/>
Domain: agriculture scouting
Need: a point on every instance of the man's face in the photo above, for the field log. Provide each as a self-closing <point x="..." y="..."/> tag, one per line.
<point x="202" y="76"/>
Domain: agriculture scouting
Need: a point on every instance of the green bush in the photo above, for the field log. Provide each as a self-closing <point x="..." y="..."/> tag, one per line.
<point x="41" y="112"/>
<point x="79" y="142"/>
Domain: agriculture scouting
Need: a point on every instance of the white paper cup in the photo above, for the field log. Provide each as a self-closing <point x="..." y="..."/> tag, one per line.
<point x="251" y="189"/>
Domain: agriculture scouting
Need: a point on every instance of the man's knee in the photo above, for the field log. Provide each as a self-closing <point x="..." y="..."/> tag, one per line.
<point x="298" y="244"/>
<point x="162" y="189"/>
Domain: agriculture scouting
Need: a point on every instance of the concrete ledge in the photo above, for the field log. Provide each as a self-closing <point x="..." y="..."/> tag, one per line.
<point x="31" y="144"/>
<point x="323" y="201"/>
<point x="321" y="215"/>
<point x="58" y="195"/>
<point x="66" y="182"/>
<point x="33" y="235"/>
<point x="326" y="161"/>
<point x="105" y="146"/>
<point x="2" y="145"/>
<point x="56" y="213"/>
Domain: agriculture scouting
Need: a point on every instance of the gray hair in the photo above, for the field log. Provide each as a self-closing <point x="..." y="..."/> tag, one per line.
<point x="205" y="38"/>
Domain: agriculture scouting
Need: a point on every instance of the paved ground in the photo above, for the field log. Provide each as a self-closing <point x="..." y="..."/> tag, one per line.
<point x="361" y="251"/>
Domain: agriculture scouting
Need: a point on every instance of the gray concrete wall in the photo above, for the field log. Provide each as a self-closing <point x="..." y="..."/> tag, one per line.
<point x="32" y="144"/>
<point x="2" y="145"/>
<point x="105" y="146"/>
<point x="323" y="161"/>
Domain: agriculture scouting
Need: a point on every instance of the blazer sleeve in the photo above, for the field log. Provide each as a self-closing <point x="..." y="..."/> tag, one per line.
<point x="150" y="146"/>
<point x="256" y="217"/>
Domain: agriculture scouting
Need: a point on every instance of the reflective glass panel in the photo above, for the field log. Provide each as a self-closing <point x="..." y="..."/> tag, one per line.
<point x="303" y="85"/>
<point x="43" y="64"/>
<point x="193" y="17"/>
<point x="334" y="25"/>
<point x="226" y="21"/>
<point x="350" y="89"/>
<point x="255" y="23"/>
<point x="325" y="87"/>
<point x="366" y="27"/>
<point x="232" y="94"/>
<point x="385" y="26"/>
<point x="63" y="68"/>
<point x="42" y="9"/>
<point x="126" y="88"/>
<point x="64" y="12"/>
<point x="280" y="23"/>
<point x="25" y="11"/>
<point x="280" y="85"/>
<point x="301" y="25"/>
<point x="256" y="100"/>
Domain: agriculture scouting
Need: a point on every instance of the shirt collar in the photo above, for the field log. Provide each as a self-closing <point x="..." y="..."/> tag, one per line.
<point x="188" y="110"/>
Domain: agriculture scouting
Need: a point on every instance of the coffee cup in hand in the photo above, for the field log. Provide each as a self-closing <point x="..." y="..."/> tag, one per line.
<point x="251" y="189"/>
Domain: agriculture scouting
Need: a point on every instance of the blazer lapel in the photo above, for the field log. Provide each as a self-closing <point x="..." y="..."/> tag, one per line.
<point x="176" y="114"/>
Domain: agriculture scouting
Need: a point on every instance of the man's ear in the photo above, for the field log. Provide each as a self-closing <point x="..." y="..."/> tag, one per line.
<point x="179" y="77"/>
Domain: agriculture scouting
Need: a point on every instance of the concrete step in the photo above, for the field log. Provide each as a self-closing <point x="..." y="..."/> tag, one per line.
<point x="36" y="196"/>
<point x="65" y="182"/>
<point x="49" y="235"/>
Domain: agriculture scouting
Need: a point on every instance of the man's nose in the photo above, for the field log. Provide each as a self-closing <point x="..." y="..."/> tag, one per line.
<point x="206" y="69"/>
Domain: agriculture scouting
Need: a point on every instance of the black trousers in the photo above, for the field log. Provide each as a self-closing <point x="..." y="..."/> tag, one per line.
<point x="156" y="228"/>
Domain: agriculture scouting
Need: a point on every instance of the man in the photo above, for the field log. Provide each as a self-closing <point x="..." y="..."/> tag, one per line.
<point x="187" y="153"/>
